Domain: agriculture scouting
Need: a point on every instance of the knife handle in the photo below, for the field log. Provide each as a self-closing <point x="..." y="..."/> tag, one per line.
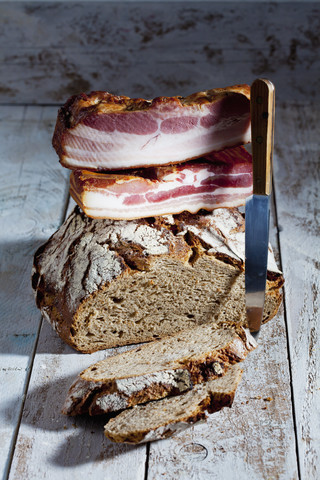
<point x="262" y="104"/>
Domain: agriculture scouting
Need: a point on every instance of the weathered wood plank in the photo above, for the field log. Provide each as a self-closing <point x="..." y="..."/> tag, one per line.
<point x="50" y="445"/>
<point x="50" y="51"/>
<point x="255" y="438"/>
<point x="297" y="178"/>
<point x="32" y="198"/>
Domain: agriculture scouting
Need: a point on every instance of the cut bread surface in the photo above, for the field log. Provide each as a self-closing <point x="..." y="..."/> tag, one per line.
<point x="163" y="418"/>
<point x="158" y="369"/>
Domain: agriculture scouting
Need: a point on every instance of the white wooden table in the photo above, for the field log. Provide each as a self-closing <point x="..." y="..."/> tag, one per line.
<point x="50" y="51"/>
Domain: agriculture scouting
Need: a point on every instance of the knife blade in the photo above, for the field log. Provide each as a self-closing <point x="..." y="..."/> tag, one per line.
<point x="257" y="209"/>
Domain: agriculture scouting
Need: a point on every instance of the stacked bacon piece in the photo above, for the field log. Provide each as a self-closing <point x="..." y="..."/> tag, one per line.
<point x="134" y="158"/>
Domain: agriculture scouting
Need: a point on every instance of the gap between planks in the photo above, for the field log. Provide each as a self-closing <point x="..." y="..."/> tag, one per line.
<point x="294" y="417"/>
<point x="24" y="396"/>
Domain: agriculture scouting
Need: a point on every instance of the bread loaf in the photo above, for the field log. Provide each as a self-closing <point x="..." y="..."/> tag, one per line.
<point x="163" y="418"/>
<point x="106" y="283"/>
<point x="158" y="369"/>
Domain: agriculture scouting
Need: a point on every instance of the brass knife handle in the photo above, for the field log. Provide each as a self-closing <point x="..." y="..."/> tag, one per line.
<point x="262" y="105"/>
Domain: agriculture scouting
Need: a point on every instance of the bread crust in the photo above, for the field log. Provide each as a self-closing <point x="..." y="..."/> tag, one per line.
<point x="86" y="258"/>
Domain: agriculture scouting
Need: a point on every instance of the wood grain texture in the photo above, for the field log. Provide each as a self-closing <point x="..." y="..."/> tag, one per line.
<point x="297" y="181"/>
<point x="141" y="49"/>
<point x="32" y="198"/>
<point x="262" y="107"/>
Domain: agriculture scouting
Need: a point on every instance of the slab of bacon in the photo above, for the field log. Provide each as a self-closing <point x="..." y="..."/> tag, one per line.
<point x="222" y="179"/>
<point x="101" y="131"/>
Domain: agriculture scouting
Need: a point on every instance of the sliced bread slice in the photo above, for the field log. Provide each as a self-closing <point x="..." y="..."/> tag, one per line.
<point x="158" y="369"/>
<point x="163" y="418"/>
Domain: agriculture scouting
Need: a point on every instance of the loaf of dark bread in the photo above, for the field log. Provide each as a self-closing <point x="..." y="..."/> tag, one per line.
<point x="106" y="283"/>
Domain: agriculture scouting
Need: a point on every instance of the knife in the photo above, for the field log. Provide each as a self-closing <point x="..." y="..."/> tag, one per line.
<point x="257" y="210"/>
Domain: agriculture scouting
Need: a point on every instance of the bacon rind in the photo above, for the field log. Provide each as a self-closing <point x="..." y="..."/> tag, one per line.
<point x="223" y="179"/>
<point x="101" y="131"/>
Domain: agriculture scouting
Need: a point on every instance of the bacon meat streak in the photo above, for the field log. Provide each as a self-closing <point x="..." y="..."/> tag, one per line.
<point x="220" y="179"/>
<point x="101" y="131"/>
